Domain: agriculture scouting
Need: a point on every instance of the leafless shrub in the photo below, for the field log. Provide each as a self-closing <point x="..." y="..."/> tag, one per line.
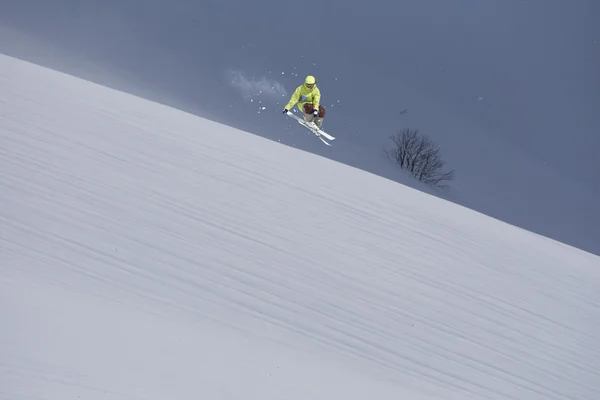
<point x="418" y="154"/>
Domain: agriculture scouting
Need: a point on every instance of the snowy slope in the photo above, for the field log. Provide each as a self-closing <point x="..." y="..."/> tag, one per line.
<point x="150" y="254"/>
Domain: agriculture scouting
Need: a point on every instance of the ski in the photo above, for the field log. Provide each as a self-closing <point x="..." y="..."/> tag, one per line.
<point x="313" y="128"/>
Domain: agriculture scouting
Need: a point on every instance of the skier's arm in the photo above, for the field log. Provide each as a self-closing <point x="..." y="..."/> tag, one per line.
<point x="294" y="99"/>
<point x="317" y="99"/>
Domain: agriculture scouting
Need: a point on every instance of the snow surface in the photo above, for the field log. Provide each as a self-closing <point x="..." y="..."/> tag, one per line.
<point x="150" y="254"/>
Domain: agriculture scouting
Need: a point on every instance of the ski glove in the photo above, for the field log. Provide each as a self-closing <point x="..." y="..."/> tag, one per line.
<point x="285" y="110"/>
<point x="315" y="113"/>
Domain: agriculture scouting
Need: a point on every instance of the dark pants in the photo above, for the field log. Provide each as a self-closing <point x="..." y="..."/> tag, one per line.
<point x="308" y="114"/>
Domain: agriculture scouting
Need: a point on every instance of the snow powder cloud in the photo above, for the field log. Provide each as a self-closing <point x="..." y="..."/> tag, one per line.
<point x="251" y="88"/>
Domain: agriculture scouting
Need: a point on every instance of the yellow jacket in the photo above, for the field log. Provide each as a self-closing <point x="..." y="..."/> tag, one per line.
<point x="303" y="95"/>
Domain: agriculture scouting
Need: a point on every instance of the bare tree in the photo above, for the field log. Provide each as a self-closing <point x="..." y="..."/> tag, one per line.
<point x="418" y="154"/>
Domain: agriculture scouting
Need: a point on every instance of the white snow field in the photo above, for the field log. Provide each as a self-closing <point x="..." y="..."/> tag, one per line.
<point x="150" y="254"/>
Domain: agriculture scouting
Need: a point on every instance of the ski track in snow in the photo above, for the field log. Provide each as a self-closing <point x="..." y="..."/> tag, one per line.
<point x="116" y="204"/>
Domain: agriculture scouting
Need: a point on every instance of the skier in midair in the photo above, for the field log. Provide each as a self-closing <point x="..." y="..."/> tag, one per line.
<point x="308" y="98"/>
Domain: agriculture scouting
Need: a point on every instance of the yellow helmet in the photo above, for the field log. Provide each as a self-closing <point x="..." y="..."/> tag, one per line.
<point x="310" y="80"/>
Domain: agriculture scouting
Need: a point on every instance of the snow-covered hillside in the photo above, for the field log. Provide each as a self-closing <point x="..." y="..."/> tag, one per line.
<point x="146" y="253"/>
<point x="521" y="137"/>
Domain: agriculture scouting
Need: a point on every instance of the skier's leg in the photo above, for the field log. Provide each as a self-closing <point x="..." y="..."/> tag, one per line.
<point x="308" y="110"/>
<point x="319" y="120"/>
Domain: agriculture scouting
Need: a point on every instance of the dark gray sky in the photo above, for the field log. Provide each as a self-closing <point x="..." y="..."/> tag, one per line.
<point x="506" y="79"/>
